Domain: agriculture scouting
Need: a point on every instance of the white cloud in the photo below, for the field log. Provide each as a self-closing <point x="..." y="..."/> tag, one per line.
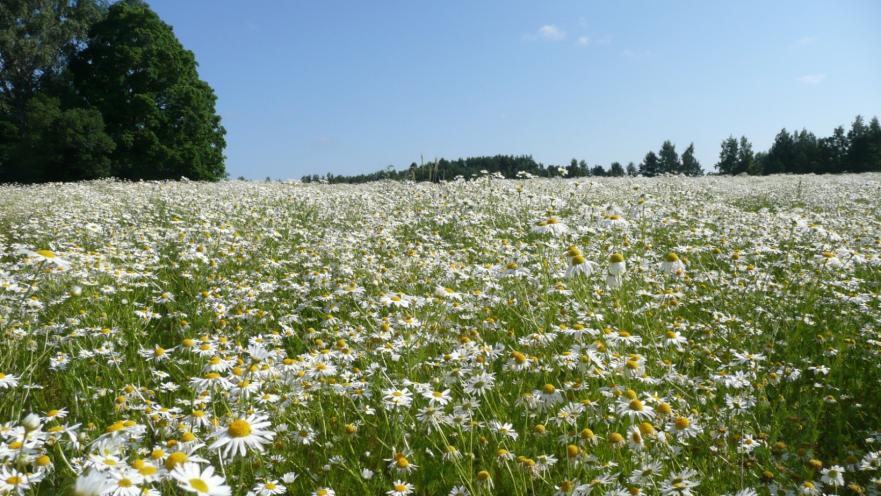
<point x="548" y="32"/>
<point x="811" y="78"/>
<point x="583" y="41"/>
<point x="805" y="40"/>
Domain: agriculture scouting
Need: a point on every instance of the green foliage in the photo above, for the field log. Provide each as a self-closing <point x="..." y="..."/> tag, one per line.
<point x="439" y="170"/>
<point x="668" y="159"/>
<point x="649" y="166"/>
<point x="37" y="37"/>
<point x="690" y="164"/>
<point x="54" y="144"/>
<point x="616" y="170"/>
<point x="158" y="112"/>
<point x="727" y="163"/>
<point x="87" y="92"/>
<point x="801" y="152"/>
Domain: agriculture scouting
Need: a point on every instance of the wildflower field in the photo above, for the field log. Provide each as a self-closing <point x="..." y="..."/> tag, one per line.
<point x="705" y="336"/>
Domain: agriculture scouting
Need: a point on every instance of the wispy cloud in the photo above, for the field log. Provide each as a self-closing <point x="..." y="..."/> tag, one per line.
<point x="582" y="41"/>
<point x="805" y="40"/>
<point x="811" y="78"/>
<point x="548" y="32"/>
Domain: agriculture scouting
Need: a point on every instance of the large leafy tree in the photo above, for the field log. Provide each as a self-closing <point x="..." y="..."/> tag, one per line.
<point x="155" y="108"/>
<point x="56" y="144"/>
<point x="45" y="132"/>
<point x="37" y="38"/>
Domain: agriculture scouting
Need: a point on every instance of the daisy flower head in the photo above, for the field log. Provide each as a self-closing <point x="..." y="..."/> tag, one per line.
<point x="400" y="488"/>
<point x="439" y="398"/>
<point x="617" y="265"/>
<point x="13" y="482"/>
<point x="580" y="266"/>
<point x="680" y="483"/>
<point x="634" y="408"/>
<point x="45" y="255"/>
<point x="400" y="464"/>
<point x="8" y="381"/>
<point x="91" y="483"/>
<point x="672" y="264"/>
<point x="125" y="482"/>
<point x="268" y="488"/>
<point x="242" y="434"/>
<point x="551" y="225"/>
<point x="614" y="220"/>
<point x="833" y="476"/>
<point x="192" y="478"/>
<point x="397" y="398"/>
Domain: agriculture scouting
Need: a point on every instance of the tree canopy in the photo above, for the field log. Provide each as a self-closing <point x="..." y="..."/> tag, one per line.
<point x="801" y="152"/>
<point x="88" y="91"/>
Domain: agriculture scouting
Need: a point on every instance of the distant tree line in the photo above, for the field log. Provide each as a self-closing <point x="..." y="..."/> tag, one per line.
<point x="666" y="161"/>
<point x="801" y="152"/>
<point x="89" y="90"/>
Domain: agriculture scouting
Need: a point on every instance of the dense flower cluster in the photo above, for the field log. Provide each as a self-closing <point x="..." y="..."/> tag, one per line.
<point x="570" y="337"/>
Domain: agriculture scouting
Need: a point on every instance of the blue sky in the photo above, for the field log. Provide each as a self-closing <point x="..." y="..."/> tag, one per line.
<point x="351" y="87"/>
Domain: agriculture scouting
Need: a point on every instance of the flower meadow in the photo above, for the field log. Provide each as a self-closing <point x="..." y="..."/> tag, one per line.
<point x="673" y="336"/>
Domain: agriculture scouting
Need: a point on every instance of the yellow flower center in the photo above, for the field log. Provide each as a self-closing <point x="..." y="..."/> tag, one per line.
<point x="14" y="480"/>
<point x="636" y="405"/>
<point x="46" y="253"/>
<point x="578" y="259"/>
<point x="199" y="485"/>
<point x="616" y="258"/>
<point x="671" y="257"/>
<point x="175" y="459"/>
<point x="125" y="483"/>
<point x="239" y="428"/>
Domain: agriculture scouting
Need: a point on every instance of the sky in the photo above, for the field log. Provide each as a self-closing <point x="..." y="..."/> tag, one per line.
<point x="352" y="87"/>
